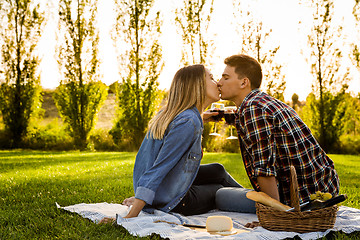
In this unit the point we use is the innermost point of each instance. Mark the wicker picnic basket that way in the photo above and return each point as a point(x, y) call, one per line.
point(301, 222)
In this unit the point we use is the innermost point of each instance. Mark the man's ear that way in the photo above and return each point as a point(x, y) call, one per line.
point(245, 82)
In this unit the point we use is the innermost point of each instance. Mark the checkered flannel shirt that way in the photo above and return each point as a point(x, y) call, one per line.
point(272, 138)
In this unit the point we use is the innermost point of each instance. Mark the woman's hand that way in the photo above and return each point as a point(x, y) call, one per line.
point(129, 201)
point(207, 116)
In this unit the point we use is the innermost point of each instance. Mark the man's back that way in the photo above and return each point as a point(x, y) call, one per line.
point(272, 138)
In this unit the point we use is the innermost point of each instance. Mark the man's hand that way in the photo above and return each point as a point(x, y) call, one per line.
point(129, 201)
point(207, 116)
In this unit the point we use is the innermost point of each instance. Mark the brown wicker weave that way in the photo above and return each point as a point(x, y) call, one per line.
point(301, 222)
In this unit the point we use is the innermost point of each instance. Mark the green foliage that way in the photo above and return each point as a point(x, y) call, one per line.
point(49, 137)
point(329, 87)
point(351, 120)
point(295, 100)
point(335, 105)
point(138, 90)
point(81, 93)
point(31, 182)
point(113, 88)
point(102, 140)
point(355, 55)
point(19, 90)
point(193, 20)
point(78, 106)
point(350, 144)
point(255, 41)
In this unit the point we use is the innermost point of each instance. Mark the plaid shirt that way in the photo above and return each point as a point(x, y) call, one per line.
point(272, 138)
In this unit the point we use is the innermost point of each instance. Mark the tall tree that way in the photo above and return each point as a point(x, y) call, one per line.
point(193, 20)
point(20, 88)
point(254, 41)
point(80, 93)
point(355, 46)
point(330, 79)
point(137, 29)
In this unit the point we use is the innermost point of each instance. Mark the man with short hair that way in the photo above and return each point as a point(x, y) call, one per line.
point(272, 137)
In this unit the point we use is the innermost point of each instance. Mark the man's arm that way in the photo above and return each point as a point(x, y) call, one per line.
point(268, 185)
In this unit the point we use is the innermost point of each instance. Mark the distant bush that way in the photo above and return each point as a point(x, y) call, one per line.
point(102, 140)
point(349, 144)
point(5, 139)
point(49, 137)
point(53, 136)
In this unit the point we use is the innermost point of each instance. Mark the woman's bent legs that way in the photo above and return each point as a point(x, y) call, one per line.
point(215, 173)
point(234, 200)
point(199, 199)
point(201, 196)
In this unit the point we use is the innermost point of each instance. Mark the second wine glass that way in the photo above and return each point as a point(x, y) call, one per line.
point(230, 119)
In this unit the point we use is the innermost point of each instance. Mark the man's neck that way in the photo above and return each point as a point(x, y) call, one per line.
point(241, 97)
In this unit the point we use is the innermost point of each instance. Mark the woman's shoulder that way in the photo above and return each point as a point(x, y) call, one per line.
point(192, 113)
point(189, 115)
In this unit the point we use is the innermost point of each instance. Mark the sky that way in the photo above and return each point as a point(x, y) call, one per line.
point(282, 16)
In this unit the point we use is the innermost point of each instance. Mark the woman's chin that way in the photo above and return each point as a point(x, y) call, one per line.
point(216, 99)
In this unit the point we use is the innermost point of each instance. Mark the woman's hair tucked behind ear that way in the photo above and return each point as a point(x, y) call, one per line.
point(187, 90)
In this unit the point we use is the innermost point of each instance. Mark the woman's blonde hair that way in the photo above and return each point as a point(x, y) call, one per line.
point(187, 90)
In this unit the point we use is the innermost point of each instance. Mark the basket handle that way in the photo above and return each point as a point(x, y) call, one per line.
point(294, 190)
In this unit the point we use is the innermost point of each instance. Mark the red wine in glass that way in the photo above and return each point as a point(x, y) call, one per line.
point(230, 118)
point(219, 116)
point(217, 107)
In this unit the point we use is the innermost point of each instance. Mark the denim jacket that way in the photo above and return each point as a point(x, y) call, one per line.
point(165, 169)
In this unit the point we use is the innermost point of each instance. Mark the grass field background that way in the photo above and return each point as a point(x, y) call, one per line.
point(31, 182)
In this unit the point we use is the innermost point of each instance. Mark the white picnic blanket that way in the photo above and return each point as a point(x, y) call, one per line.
point(348, 221)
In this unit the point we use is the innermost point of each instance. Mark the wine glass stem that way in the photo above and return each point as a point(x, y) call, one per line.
point(214, 127)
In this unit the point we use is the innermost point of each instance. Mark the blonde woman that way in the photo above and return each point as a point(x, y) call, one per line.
point(167, 172)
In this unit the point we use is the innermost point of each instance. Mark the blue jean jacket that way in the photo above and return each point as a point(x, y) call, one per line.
point(165, 169)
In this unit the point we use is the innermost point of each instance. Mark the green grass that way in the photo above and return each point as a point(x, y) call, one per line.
point(31, 182)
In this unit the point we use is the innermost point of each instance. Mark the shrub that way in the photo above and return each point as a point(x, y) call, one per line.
point(102, 140)
point(349, 144)
point(49, 137)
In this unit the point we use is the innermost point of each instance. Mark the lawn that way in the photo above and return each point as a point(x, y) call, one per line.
point(31, 182)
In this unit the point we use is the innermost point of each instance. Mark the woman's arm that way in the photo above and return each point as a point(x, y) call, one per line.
point(175, 144)
point(137, 206)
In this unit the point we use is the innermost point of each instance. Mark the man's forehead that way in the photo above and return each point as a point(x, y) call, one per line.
point(228, 71)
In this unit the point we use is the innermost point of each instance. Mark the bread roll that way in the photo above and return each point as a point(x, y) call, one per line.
point(265, 199)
